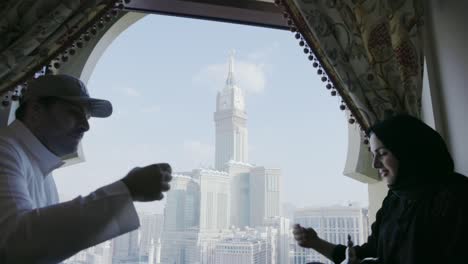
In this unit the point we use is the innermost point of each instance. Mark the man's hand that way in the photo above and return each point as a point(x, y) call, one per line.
point(148, 183)
point(305, 237)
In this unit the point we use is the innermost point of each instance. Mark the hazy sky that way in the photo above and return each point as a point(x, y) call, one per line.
point(162, 75)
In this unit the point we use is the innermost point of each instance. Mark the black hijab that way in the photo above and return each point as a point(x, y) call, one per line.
point(424, 160)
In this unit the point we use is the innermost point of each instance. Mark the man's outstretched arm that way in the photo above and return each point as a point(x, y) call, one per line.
point(54, 233)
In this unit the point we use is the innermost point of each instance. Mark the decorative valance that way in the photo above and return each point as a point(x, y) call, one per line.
point(369, 52)
point(39, 35)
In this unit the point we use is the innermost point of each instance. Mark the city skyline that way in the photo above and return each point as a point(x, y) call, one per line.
point(231, 213)
point(206, 204)
point(273, 241)
point(151, 124)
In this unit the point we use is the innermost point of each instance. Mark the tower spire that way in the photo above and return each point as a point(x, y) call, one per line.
point(231, 122)
point(230, 81)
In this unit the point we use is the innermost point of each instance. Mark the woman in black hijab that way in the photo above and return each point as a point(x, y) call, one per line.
point(424, 218)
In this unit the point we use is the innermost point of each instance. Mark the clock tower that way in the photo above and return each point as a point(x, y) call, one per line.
point(230, 122)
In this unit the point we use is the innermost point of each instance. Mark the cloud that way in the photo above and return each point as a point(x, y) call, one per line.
point(264, 53)
point(199, 153)
point(250, 76)
point(151, 109)
point(131, 92)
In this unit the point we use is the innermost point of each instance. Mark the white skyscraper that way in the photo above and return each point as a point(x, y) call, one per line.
point(154, 256)
point(125, 247)
point(215, 195)
point(204, 204)
point(264, 194)
point(282, 226)
point(197, 209)
point(182, 204)
point(231, 123)
point(181, 221)
point(240, 193)
point(150, 230)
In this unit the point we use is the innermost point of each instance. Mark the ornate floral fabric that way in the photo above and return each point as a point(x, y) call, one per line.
point(371, 49)
point(33, 31)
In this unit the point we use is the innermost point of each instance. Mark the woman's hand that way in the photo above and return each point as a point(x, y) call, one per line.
point(305, 237)
point(308, 238)
point(351, 257)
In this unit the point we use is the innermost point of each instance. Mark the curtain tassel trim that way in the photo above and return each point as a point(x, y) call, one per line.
point(316, 64)
point(77, 39)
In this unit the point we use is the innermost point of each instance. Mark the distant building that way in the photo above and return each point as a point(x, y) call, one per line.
point(231, 123)
point(103, 253)
point(241, 251)
point(254, 189)
point(283, 238)
point(181, 221)
point(215, 194)
point(150, 230)
point(332, 224)
point(240, 192)
point(125, 248)
point(300, 255)
point(264, 194)
point(205, 204)
point(99, 254)
point(287, 210)
point(154, 256)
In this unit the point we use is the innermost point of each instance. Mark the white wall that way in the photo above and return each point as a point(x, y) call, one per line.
point(377, 192)
point(447, 61)
point(359, 167)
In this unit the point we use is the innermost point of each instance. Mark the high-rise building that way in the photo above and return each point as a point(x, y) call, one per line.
point(264, 194)
point(204, 204)
point(154, 256)
point(215, 192)
point(182, 204)
point(332, 224)
point(240, 193)
point(231, 123)
point(215, 195)
point(181, 221)
point(150, 230)
point(282, 240)
point(125, 247)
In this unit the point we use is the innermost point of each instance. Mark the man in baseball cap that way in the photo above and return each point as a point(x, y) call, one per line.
point(68, 88)
point(35, 228)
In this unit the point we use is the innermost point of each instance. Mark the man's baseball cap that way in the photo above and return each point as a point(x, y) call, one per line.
point(68, 88)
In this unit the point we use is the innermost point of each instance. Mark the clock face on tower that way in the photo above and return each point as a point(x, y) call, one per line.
point(239, 103)
point(225, 104)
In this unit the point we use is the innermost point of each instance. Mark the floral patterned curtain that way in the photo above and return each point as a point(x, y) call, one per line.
point(34, 32)
point(372, 51)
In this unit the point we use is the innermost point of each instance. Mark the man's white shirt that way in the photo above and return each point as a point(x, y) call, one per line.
point(34, 227)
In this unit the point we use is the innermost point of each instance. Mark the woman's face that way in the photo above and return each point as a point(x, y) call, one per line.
point(383, 160)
